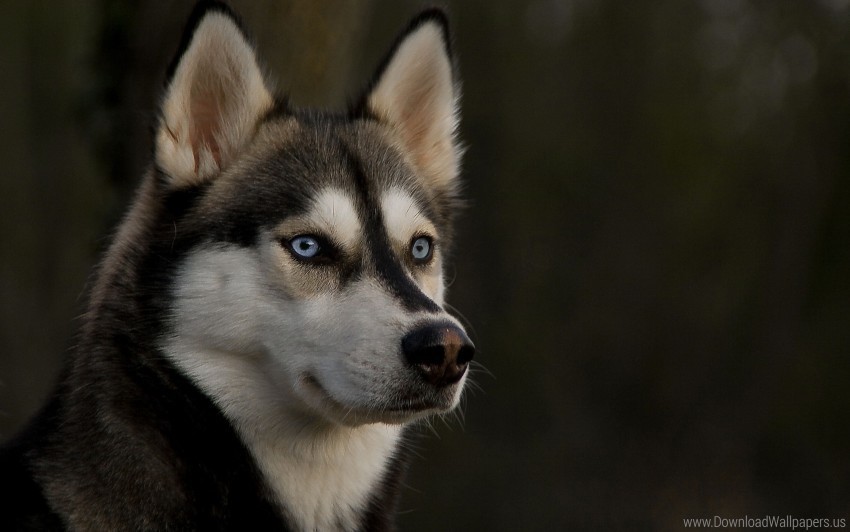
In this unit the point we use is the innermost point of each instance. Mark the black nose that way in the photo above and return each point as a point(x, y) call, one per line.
point(440, 351)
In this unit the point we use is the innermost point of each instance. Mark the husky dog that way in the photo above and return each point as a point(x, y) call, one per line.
point(269, 318)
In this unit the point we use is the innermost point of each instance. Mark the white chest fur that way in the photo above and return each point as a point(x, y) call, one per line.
point(321, 473)
point(325, 484)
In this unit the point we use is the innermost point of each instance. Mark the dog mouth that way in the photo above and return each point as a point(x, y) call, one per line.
point(396, 411)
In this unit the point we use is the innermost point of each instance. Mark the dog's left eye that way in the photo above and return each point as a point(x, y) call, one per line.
point(421, 249)
point(305, 246)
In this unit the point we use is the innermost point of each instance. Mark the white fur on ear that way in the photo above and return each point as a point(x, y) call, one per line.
point(212, 104)
point(416, 95)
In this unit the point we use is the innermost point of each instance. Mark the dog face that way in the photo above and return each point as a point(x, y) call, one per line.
point(315, 272)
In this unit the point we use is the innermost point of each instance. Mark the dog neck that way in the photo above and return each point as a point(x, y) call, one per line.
point(322, 474)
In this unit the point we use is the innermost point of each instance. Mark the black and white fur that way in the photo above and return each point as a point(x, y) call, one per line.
point(269, 317)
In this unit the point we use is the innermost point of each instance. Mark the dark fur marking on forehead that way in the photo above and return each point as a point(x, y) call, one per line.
point(387, 265)
point(386, 165)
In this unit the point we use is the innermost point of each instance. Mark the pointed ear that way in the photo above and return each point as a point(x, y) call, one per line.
point(417, 95)
point(213, 102)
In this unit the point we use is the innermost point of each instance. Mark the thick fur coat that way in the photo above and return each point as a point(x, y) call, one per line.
point(269, 318)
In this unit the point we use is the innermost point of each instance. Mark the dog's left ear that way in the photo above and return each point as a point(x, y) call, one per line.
point(213, 102)
point(416, 93)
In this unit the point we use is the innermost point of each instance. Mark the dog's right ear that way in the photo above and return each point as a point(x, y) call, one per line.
point(213, 101)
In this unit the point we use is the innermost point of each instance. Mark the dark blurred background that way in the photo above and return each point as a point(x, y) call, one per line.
point(655, 260)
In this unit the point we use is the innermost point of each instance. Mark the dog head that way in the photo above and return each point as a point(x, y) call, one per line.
point(315, 242)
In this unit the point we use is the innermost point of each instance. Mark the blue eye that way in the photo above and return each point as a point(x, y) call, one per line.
point(421, 248)
point(305, 246)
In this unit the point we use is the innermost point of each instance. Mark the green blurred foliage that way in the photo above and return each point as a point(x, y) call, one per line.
point(654, 261)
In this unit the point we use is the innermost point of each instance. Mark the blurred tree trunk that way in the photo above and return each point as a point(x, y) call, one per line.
point(51, 193)
point(312, 46)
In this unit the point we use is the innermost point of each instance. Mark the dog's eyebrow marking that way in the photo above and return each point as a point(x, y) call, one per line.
point(402, 216)
point(333, 212)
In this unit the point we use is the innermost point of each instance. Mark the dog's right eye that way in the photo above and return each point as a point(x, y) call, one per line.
point(305, 246)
